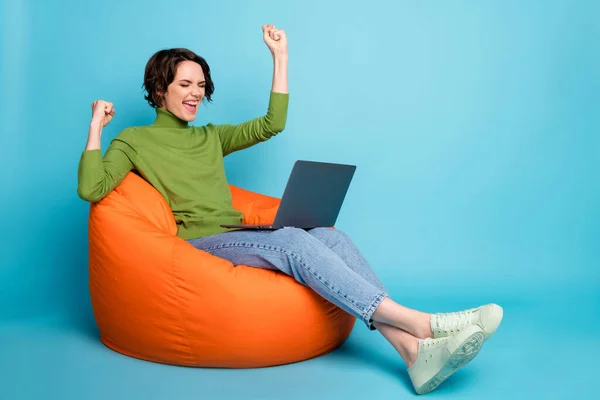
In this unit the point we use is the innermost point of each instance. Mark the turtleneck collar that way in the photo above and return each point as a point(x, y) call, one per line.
point(166, 119)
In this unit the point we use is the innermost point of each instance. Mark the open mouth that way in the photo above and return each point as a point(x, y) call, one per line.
point(191, 105)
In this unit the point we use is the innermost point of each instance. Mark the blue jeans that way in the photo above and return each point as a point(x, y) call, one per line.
point(323, 259)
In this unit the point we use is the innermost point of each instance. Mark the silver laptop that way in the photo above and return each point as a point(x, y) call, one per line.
point(312, 198)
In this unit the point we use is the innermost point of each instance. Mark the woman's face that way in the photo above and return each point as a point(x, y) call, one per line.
point(186, 92)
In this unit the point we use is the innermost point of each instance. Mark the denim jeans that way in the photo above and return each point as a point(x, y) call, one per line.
point(323, 259)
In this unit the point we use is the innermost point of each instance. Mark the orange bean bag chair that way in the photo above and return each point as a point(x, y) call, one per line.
point(156, 297)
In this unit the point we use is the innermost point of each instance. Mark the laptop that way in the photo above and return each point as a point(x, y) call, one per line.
point(312, 198)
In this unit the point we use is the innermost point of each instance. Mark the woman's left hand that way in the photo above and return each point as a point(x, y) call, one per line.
point(275, 39)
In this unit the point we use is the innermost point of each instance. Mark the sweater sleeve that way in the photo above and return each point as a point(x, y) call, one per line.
point(98, 176)
point(238, 137)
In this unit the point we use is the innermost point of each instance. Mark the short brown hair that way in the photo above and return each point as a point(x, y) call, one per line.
point(161, 69)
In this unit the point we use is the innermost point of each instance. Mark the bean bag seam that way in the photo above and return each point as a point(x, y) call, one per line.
point(176, 285)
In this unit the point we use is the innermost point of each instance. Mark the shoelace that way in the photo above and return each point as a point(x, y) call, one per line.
point(453, 321)
point(428, 342)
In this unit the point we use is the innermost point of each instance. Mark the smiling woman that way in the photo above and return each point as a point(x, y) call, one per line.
point(191, 177)
point(185, 164)
point(178, 80)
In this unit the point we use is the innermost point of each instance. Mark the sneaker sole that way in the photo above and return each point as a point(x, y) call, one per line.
point(464, 353)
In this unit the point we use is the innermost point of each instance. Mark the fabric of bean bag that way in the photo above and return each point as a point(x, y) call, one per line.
point(155, 297)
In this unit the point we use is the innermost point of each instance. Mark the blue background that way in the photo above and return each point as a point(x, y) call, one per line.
point(474, 126)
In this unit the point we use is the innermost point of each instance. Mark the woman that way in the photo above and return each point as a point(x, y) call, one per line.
point(185, 164)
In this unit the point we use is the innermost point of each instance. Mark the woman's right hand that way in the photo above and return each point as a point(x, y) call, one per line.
point(102, 112)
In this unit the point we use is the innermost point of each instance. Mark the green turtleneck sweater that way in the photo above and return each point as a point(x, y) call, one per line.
point(183, 162)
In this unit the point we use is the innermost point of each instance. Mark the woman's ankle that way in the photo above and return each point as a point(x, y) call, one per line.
point(417, 323)
point(405, 344)
point(412, 351)
point(425, 325)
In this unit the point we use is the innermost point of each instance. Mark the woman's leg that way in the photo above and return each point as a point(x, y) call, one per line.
point(285, 250)
point(306, 258)
point(302, 256)
point(405, 344)
point(419, 324)
point(389, 312)
point(310, 262)
point(342, 245)
point(429, 361)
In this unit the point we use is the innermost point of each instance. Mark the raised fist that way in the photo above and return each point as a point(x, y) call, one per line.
point(102, 112)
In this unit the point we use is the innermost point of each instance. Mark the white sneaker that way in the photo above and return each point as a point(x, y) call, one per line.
point(487, 317)
point(437, 359)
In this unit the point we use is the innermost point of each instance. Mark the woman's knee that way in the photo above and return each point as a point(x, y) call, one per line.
point(297, 239)
point(330, 234)
point(292, 235)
